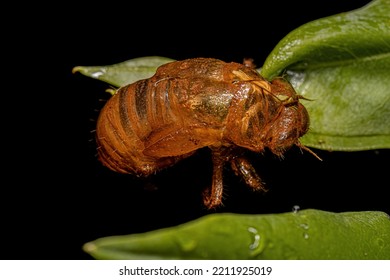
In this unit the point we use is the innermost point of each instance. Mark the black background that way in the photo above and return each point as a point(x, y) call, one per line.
point(56, 196)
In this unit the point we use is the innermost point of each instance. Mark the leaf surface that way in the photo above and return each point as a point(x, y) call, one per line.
point(306, 234)
point(126, 72)
point(342, 64)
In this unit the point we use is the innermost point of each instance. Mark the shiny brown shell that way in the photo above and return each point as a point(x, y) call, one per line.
point(194, 103)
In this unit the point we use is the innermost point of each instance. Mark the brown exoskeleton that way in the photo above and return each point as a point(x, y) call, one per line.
point(194, 103)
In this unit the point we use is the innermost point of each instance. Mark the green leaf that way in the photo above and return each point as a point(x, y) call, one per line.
point(126, 72)
point(306, 234)
point(342, 64)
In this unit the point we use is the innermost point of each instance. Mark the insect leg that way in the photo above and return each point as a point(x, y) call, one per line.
point(212, 197)
point(242, 167)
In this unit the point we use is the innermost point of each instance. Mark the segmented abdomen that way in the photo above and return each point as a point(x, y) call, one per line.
point(126, 121)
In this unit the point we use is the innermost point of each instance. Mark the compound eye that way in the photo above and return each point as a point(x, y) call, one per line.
point(305, 120)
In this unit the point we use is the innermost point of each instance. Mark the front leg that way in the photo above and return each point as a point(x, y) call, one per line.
point(242, 167)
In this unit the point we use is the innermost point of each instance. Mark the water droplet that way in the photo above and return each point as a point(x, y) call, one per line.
point(257, 245)
point(304, 226)
point(97, 74)
point(256, 240)
point(295, 209)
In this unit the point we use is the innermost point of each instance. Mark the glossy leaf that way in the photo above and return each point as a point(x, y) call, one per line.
point(342, 64)
point(306, 234)
point(126, 72)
